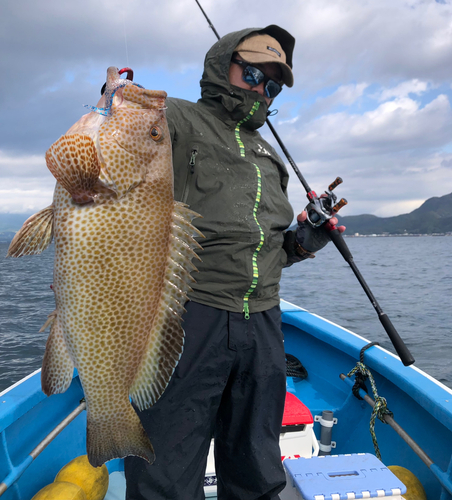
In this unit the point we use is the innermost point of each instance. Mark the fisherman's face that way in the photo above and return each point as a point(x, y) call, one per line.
point(271, 70)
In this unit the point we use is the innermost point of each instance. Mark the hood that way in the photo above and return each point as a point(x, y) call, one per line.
point(230, 103)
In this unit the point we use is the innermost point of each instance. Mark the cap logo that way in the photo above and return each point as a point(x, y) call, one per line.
point(274, 50)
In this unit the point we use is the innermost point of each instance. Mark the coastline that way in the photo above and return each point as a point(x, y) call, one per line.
point(387, 235)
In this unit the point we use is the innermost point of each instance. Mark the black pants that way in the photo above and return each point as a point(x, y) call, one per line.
point(229, 384)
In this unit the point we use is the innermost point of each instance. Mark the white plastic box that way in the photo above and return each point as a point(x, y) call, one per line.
point(297, 435)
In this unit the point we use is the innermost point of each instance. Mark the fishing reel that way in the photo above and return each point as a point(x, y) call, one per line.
point(321, 209)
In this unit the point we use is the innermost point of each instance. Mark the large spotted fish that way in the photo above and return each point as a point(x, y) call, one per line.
point(123, 250)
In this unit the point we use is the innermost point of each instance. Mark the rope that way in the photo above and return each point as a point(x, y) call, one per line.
point(380, 409)
point(294, 368)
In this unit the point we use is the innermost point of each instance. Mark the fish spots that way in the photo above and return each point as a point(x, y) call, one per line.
point(121, 266)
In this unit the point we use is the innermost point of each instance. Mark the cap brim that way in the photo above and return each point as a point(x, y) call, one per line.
point(259, 58)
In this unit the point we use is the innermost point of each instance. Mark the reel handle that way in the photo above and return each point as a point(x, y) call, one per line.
point(335, 183)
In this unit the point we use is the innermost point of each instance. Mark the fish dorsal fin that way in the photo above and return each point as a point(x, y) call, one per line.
point(166, 339)
point(35, 235)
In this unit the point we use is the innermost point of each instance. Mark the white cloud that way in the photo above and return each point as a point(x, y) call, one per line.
point(31, 196)
point(403, 89)
point(26, 183)
point(375, 41)
point(22, 165)
point(397, 49)
point(345, 95)
point(385, 185)
point(393, 126)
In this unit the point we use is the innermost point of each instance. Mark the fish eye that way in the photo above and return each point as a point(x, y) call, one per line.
point(156, 133)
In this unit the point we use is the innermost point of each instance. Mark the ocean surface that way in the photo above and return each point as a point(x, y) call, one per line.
point(411, 278)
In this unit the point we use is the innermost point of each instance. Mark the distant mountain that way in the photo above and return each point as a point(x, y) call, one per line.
point(433, 216)
point(6, 237)
point(10, 224)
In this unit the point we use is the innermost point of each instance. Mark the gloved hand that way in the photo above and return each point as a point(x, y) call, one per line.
point(302, 242)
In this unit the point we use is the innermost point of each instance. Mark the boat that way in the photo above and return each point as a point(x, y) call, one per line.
point(40, 434)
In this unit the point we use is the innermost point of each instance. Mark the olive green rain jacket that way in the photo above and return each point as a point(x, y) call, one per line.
point(225, 171)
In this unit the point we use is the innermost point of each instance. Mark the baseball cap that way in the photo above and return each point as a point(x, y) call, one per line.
point(263, 48)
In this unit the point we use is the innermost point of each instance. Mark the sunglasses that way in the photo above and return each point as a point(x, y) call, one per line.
point(254, 76)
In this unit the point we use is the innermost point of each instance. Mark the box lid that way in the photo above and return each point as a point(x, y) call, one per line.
point(295, 412)
point(334, 477)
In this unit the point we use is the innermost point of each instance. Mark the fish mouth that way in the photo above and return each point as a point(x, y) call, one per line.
point(113, 83)
point(129, 76)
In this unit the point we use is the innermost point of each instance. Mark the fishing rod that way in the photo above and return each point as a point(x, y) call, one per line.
point(321, 209)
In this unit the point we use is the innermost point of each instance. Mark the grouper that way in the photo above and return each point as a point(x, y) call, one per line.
point(123, 258)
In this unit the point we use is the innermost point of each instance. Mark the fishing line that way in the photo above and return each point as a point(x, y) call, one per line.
point(125, 36)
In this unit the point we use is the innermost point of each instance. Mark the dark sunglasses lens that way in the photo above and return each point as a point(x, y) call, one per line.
point(253, 76)
point(272, 89)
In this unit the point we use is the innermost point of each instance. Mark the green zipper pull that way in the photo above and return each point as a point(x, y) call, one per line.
point(246, 309)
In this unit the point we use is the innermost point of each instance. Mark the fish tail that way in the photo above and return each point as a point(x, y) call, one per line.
point(118, 437)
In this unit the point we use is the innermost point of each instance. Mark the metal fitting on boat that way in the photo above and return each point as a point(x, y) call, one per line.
point(326, 421)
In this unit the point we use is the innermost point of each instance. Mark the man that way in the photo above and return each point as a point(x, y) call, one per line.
point(230, 381)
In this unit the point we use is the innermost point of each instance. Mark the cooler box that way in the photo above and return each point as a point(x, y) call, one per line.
point(297, 434)
point(341, 477)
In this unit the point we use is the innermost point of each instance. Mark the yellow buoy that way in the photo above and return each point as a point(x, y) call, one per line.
point(414, 488)
point(93, 480)
point(57, 491)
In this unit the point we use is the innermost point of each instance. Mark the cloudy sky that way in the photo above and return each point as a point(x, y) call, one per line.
point(371, 101)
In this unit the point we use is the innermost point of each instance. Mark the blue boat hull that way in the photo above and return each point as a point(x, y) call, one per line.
point(421, 405)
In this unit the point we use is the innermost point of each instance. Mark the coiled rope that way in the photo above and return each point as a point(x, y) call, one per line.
point(380, 409)
point(294, 368)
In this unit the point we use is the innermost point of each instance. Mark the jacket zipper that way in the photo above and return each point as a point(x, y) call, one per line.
point(192, 161)
point(191, 171)
point(246, 307)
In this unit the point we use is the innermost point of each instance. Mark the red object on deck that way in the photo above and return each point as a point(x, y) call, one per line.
point(295, 412)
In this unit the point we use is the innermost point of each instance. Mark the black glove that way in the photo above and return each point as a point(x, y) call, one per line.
point(312, 239)
point(301, 241)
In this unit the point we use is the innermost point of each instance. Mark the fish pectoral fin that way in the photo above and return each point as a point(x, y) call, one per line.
point(57, 365)
point(74, 163)
point(113, 436)
point(105, 184)
point(49, 322)
point(35, 235)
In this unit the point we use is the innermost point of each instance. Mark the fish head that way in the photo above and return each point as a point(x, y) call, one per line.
point(134, 140)
point(123, 142)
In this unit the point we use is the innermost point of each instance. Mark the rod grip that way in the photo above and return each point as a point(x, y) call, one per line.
point(401, 349)
point(338, 240)
point(397, 342)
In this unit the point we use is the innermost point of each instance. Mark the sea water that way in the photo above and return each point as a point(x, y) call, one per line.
point(411, 278)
